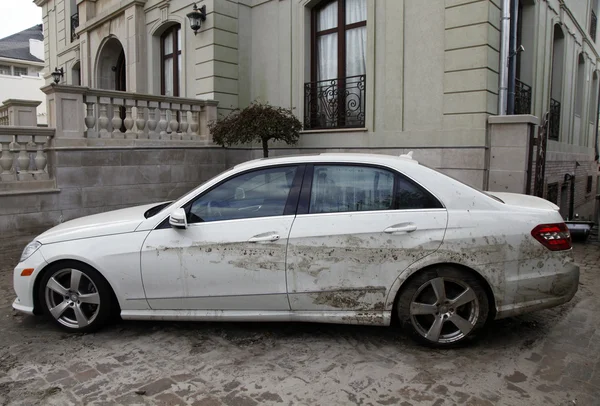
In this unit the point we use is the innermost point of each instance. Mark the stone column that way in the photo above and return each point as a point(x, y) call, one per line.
point(21, 113)
point(66, 111)
point(510, 140)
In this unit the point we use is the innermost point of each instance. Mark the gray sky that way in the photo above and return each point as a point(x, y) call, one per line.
point(15, 18)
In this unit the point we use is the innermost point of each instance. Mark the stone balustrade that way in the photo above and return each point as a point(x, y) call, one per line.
point(24, 158)
point(81, 112)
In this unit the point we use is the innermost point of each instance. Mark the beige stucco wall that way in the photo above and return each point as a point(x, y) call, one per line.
point(432, 67)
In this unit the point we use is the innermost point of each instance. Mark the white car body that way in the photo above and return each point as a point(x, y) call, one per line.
point(325, 267)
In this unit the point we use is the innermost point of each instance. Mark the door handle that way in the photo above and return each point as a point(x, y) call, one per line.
point(266, 237)
point(401, 228)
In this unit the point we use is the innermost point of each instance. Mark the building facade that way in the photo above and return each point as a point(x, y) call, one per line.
point(21, 68)
point(384, 76)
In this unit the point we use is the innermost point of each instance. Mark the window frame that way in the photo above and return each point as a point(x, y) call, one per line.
point(173, 29)
point(306, 192)
point(290, 205)
point(14, 71)
point(340, 29)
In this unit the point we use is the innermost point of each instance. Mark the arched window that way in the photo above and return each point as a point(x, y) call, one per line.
point(593, 114)
point(558, 51)
point(578, 127)
point(170, 61)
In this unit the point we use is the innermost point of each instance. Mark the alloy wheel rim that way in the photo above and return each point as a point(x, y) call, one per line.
point(444, 310)
point(72, 298)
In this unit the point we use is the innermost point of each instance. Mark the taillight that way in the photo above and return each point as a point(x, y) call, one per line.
point(555, 237)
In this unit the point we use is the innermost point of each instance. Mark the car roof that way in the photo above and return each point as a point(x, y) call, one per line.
point(388, 160)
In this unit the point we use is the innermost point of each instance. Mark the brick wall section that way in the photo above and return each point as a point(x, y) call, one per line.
point(94, 181)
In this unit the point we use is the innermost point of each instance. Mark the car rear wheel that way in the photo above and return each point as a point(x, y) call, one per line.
point(443, 306)
point(75, 297)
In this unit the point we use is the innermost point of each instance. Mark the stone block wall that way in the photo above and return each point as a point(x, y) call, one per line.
point(91, 181)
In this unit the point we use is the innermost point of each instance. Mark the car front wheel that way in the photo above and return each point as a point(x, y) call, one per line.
point(443, 306)
point(75, 296)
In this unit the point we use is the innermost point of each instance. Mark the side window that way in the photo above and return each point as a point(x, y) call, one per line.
point(261, 193)
point(412, 196)
point(342, 188)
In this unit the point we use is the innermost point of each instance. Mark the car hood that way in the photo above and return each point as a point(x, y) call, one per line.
point(97, 225)
point(530, 202)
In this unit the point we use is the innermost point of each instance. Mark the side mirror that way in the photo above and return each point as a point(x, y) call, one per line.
point(178, 219)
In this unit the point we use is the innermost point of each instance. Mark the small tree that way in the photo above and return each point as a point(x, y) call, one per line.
point(257, 122)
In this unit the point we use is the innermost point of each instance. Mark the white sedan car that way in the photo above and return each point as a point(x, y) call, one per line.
point(335, 238)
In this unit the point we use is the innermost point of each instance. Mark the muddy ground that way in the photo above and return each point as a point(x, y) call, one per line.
point(550, 357)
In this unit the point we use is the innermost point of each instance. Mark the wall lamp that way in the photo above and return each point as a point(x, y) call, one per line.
point(196, 17)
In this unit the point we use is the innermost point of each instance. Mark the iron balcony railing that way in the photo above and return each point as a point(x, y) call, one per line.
point(74, 25)
point(554, 120)
point(593, 26)
point(335, 103)
point(522, 98)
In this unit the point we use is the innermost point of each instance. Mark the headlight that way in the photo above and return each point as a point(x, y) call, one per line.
point(32, 247)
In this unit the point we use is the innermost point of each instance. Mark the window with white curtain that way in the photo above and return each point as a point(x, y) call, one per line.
point(336, 97)
point(340, 39)
point(170, 46)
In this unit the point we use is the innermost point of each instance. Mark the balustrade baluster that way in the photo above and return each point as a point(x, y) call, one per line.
point(183, 126)
point(23, 159)
point(129, 122)
point(162, 124)
point(117, 121)
point(40, 159)
point(6, 159)
point(90, 117)
point(140, 122)
point(152, 123)
point(103, 117)
point(194, 122)
point(174, 122)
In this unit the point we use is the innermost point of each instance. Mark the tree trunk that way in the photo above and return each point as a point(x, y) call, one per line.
point(265, 146)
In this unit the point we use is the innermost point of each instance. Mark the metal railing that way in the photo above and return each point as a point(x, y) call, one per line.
point(522, 98)
point(335, 103)
point(593, 26)
point(554, 120)
point(74, 25)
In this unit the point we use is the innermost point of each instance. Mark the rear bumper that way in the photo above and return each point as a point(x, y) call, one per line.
point(542, 292)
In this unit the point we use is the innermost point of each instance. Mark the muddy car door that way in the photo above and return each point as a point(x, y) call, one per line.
point(357, 228)
point(231, 256)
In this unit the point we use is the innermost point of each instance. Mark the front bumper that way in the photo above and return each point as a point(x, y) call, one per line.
point(542, 291)
point(24, 285)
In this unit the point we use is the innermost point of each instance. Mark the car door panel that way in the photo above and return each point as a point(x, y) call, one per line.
point(206, 267)
point(348, 261)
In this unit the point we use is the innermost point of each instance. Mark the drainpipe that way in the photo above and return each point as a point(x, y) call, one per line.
point(512, 58)
point(504, 45)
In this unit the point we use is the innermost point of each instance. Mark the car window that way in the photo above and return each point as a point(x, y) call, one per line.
point(260, 193)
point(343, 188)
point(412, 196)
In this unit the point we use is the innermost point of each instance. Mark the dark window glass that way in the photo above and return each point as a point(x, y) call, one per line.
point(412, 196)
point(261, 193)
point(340, 188)
point(552, 193)
point(589, 185)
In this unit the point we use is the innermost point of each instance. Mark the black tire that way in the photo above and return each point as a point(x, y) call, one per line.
point(422, 314)
point(76, 308)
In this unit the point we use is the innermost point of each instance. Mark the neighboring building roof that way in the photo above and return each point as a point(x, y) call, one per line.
point(16, 46)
